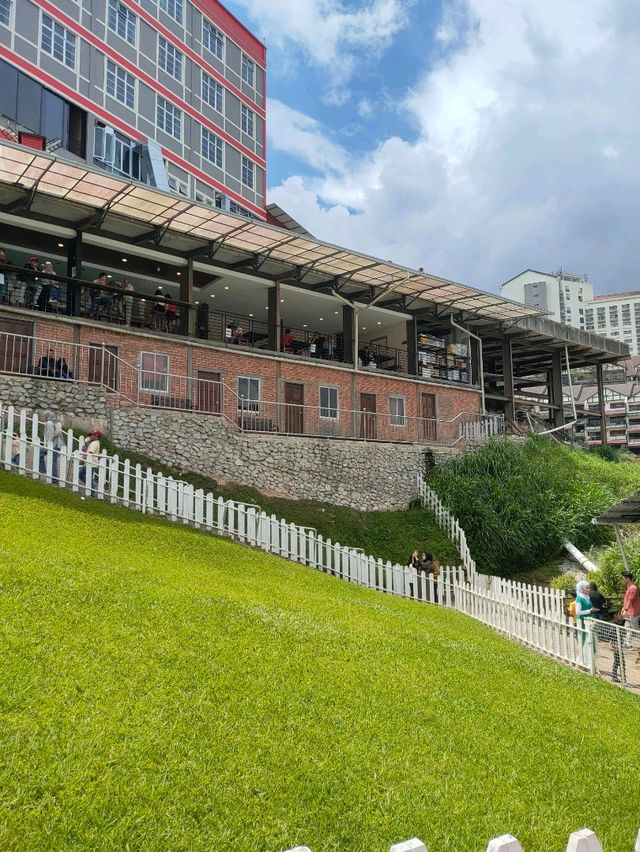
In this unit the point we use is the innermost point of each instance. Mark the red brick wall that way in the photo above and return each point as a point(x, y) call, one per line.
point(273, 372)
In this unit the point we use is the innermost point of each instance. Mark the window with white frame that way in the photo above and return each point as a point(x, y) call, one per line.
point(169, 118)
point(329, 402)
point(247, 120)
point(248, 394)
point(248, 70)
point(122, 21)
point(173, 8)
point(247, 172)
point(169, 59)
point(58, 42)
point(5, 12)
point(396, 411)
point(212, 39)
point(212, 148)
point(212, 92)
point(154, 372)
point(121, 85)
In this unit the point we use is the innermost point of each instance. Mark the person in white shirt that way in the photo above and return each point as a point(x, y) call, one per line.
point(90, 453)
point(52, 443)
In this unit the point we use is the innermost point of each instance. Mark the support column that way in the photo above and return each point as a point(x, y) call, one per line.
point(412, 347)
point(556, 388)
point(74, 270)
point(350, 356)
point(274, 320)
point(602, 404)
point(507, 372)
point(186, 295)
point(475, 360)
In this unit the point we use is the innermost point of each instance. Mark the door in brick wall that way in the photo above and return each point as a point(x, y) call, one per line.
point(293, 408)
point(16, 346)
point(428, 426)
point(368, 428)
point(103, 365)
point(208, 397)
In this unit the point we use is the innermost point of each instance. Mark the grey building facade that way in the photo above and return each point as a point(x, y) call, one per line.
point(170, 92)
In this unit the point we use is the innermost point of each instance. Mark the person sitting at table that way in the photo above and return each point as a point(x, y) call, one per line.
point(62, 370)
point(46, 365)
point(159, 310)
point(286, 341)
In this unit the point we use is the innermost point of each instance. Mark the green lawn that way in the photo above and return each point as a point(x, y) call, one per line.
point(385, 535)
point(165, 690)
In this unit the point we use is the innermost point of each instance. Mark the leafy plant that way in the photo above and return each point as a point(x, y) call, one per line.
point(565, 582)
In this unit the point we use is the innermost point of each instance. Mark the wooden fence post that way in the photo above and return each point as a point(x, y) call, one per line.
point(505, 843)
point(584, 840)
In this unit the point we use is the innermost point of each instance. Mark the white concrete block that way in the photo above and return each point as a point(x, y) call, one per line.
point(300, 849)
point(584, 840)
point(413, 845)
point(637, 846)
point(505, 843)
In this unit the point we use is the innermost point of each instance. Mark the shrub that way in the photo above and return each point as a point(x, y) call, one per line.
point(610, 568)
point(518, 502)
point(565, 582)
point(607, 453)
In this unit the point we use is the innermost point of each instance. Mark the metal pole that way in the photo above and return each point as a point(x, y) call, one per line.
point(573, 402)
point(621, 546)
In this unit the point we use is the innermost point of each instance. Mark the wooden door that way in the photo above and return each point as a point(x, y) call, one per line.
point(103, 366)
point(368, 425)
point(16, 346)
point(293, 408)
point(428, 425)
point(208, 397)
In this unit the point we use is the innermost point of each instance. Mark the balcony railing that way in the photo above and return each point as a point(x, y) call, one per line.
point(151, 386)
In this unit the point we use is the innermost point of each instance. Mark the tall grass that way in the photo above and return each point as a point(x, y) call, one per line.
point(517, 502)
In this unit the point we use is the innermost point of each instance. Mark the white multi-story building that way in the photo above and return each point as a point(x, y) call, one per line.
point(570, 299)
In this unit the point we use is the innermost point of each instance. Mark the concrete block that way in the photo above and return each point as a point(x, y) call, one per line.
point(413, 845)
point(300, 849)
point(584, 840)
point(505, 843)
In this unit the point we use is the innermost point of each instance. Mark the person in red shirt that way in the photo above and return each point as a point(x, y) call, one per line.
point(286, 341)
point(630, 604)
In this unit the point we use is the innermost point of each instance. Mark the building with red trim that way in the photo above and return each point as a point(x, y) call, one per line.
point(170, 93)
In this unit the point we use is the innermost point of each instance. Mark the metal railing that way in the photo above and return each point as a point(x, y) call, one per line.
point(149, 384)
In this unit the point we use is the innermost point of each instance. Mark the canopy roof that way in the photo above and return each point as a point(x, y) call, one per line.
point(627, 511)
point(77, 194)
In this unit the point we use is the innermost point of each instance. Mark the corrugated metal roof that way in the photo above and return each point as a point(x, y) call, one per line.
point(627, 511)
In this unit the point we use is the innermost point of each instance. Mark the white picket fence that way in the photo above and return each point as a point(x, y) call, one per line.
point(539, 600)
point(583, 840)
point(513, 609)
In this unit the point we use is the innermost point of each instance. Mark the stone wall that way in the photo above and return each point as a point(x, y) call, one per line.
point(80, 406)
point(346, 473)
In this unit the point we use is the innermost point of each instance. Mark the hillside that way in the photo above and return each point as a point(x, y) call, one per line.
point(163, 689)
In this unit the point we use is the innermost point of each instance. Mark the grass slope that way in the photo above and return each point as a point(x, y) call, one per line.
point(163, 689)
point(386, 535)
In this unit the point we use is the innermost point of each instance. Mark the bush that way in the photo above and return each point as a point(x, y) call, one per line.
point(517, 503)
point(565, 582)
point(610, 454)
point(610, 568)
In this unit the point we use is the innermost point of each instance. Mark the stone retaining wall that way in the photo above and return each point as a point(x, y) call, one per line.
point(80, 406)
point(346, 473)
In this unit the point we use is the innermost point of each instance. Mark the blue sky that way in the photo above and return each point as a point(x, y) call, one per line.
point(472, 137)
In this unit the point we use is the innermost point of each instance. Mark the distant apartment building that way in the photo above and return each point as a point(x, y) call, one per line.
point(570, 299)
point(166, 92)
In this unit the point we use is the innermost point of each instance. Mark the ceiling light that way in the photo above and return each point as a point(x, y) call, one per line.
point(266, 307)
point(124, 259)
point(197, 303)
point(250, 315)
point(143, 300)
point(281, 300)
point(213, 295)
point(60, 245)
point(109, 276)
point(178, 273)
point(226, 286)
point(364, 328)
point(379, 322)
point(305, 325)
point(321, 318)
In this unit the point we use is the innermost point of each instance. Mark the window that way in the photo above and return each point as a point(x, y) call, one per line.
point(122, 21)
point(247, 172)
point(169, 59)
point(212, 92)
point(247, 120)
point(212, 148)
point(248, 70)
point(173, 8)
point(212, 39)
point(248, 394)
point(154, 372)
point(396, 411)
point(58, 42)
point(169, 118)
point(120, 84)
point(116, 153)
point(5, 12)
point(329, 402)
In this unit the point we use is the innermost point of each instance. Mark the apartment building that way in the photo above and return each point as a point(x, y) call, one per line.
point(166, 92)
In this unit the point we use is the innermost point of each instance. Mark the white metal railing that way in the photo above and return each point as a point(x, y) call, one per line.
point(146, 384)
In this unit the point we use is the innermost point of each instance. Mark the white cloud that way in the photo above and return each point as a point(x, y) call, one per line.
point(330, 35)
point(525, 153)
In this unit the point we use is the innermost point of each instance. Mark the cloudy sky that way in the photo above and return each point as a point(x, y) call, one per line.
point(475, 138)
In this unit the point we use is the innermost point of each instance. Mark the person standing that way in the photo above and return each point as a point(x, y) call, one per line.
point(598, 602)
point(52, 444)
point(583, 608)
point(90, 453)
point(630, 605)
point(127, 300)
